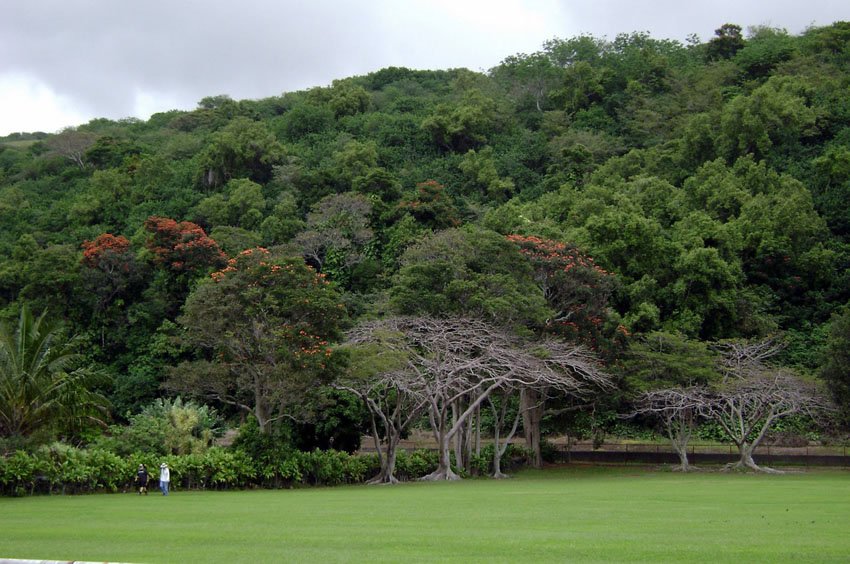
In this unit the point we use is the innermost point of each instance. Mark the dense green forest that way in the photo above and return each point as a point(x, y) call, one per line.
point(646, 199)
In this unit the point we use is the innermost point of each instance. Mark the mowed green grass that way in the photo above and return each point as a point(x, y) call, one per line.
point(556, 515)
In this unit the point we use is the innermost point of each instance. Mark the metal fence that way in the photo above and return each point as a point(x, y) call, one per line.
point(658, 453)
point(704, 454)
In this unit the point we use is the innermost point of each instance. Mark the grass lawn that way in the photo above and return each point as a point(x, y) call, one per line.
point(562, 514)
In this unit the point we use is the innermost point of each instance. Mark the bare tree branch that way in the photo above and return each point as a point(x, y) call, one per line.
point(739, 359)
point(755, 395)
point(465, 360)
point(678, 410)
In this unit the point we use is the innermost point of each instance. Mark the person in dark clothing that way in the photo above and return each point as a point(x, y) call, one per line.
point(142, 479)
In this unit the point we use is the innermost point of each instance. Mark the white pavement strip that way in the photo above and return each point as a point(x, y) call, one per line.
point(16, 561)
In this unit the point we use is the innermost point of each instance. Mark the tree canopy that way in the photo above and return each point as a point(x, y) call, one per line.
point(642, 197)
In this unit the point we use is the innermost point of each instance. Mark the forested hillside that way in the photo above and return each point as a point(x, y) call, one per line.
point(644, 199)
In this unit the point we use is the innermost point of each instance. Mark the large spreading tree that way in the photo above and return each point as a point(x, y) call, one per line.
point(453, 365)
point(755, 395)
point(382, 375)
point(678, 410)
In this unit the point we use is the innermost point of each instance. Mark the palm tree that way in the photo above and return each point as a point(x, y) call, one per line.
point(45, 386)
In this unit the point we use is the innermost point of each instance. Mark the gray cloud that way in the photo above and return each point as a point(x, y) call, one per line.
point(103, 53)
point(678, 19)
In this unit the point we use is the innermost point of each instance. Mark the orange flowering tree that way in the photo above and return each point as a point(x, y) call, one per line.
point(264, 327)
point(574, 286)
point(107, 253)
point(182, 252)
point(181, 246)
point(111, 278)
point(578, 290)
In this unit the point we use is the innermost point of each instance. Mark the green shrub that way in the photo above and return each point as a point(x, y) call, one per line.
point(165, 427)
point(710, 431)
point(228, 468)
point(68, 469)
point(414, 465)
point(794, 430)
point(270, 453)
point(481, 464)
point(19, 472)
point(289, 470)
point(188, 471)
point(60, 468)
point(361, 468)
point(323, 467)
point(110, 470)
point(515, 457)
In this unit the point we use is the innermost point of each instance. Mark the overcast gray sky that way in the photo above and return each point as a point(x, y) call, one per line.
point(64, 62)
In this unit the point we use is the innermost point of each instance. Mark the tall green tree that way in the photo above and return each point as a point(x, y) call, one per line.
point(727, 41)
point(472, 272)
point(775, 115)
point(465, 125)
point(835, 369)
point(528, 79)
point(243, 149)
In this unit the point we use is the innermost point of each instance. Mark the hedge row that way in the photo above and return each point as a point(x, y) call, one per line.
point(68, 470)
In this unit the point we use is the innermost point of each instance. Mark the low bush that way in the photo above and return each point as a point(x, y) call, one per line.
point(64, 469)
point(414, 465)
point(515, 457)
point(795, 430)
point(19, 473)
point(165, 427)
point(60, 468)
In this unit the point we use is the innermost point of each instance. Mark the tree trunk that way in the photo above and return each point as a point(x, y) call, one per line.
point(468, 440)
point(387, 473)
point(478, 430)
point(458, 437)
point(679, 430)
point(745, 461)
point(532, 413)
point(444, 431)
point(684, 465)
point(376, 437)
point(444, 467)
point(385, 457)
point(261, 416)
point(497, 455)
point(500, 447)
point(746, 448)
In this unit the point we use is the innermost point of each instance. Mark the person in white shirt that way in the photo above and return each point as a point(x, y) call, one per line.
point(164, 478)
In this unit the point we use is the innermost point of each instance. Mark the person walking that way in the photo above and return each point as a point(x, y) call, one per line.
point(142, 479)
point(164, 478)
